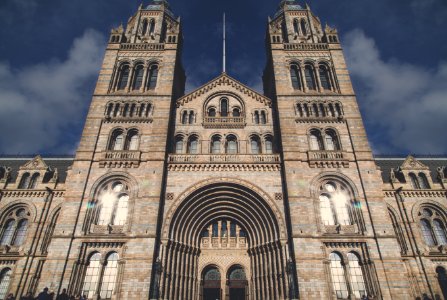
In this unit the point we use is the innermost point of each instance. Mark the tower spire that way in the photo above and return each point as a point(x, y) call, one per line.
point(224, 62)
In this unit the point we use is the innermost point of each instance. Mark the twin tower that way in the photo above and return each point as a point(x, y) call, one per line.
point(225, 193)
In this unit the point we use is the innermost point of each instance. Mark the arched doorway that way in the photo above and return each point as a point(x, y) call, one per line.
point(228, 221)
point(237, 283)
point(211, 281)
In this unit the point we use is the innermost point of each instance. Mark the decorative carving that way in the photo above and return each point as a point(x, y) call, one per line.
point(36, 163)
point(169, 196)
point(327, 159)
point(278, 197)
point(120, 159)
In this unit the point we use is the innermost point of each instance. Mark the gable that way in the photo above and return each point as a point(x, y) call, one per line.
point(37, 163)
point(230, 85)
point(412, 163)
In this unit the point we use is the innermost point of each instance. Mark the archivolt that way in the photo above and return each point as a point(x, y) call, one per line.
point(225, 198)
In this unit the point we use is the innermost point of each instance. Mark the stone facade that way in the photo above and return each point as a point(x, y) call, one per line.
point(224, 193)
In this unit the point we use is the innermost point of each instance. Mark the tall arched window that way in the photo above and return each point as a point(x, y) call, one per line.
point(442, 280)
point(117, 140)
point(123, 77)
point(423, 181)
point(414, 181)
point(303, 27)
point(185, 117)
point(335, 204)
point(215, 144)
point(310, 77)
point(109, 278)
point(5, 280)
point(91, 279)
point(191, 117)
point(331, 140)
point(144, 27)
point(34, 181)
point(263, 118)
point(295, 76)
point(338, 276)
point(179, 145)
point(8, 232)
point(324, 77)
point(20, 232)
point(268, 145)
point(231, 147)
point(132, 140)
point(24, 182)
point(440, 232)
point(427, 232)
point(152, 27)
point(255, 143)
point(357, 280)
point(316, 141)
point(256, 116)
point(138, 77)
point(15, 228)
point(433, 227)
point(153, 77)
point(224, 107)
point(113, 204)
point(193, 145)
point(295, 26)
point(49, 232)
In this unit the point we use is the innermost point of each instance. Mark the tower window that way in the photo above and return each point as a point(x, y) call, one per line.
point(193, 144)
point(215, 144)
point(24, 182)
point(268, 145)
point(179, 145)
point(263, 119)
point(153, 77)
point(310, 77)
point(123, 77)
point(138, 77)
point(338, 276)
point(211, 112)
point(295, 77)
point(15, 228)
point(236, 112)
point(433, 227)
point(296, 26)
point(144, 28)
point(5, 280)
point(303, 27)
point(316, 141)
point(224, 107)
point(255, 145)
point(324, 77)
point(152, 27)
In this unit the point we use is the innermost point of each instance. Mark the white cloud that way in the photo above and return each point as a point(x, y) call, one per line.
point(42, 103)
point(408, 102)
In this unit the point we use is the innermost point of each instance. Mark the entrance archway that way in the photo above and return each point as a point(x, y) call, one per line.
point(237, 283)
point(211, 281)
point(188, 233)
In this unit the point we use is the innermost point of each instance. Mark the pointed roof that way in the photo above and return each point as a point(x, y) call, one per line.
point(37, 163)
point(412, 163)
point(224, 80)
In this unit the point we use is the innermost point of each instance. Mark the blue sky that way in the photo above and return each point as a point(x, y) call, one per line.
point(51, 52)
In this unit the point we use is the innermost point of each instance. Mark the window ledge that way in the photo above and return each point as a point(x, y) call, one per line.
point(107, 229)
point(122, 158)
point(324, 159)
point(340, 229)
point(224, 122)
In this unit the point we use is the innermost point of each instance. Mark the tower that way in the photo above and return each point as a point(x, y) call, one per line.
point(332, 185)
point(109, 221)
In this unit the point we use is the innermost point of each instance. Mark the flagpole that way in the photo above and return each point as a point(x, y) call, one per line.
point(224, 47)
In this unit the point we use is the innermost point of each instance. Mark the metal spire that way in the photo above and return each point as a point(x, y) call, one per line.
point(224, 47)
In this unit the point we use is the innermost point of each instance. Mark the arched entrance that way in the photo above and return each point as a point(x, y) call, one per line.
point(211, 281)
point(237, 283)
point(230, 224)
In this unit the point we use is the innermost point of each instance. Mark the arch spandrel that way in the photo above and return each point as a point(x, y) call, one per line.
point(237, 182)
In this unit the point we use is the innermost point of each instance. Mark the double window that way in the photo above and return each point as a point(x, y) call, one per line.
point(100, 277)
point(347, 276)
point(28, 181)
point(419, 181)
point(433, 227)
point(122, 140)
point(324, 140)
point(15, 228)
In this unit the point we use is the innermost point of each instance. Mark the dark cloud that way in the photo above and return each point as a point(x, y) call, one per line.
point(43, 105)
point(404, 105)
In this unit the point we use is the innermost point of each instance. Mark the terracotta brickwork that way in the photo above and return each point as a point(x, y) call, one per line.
point(224, 192)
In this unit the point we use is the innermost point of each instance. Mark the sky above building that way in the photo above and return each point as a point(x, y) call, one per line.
point(51, 52)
